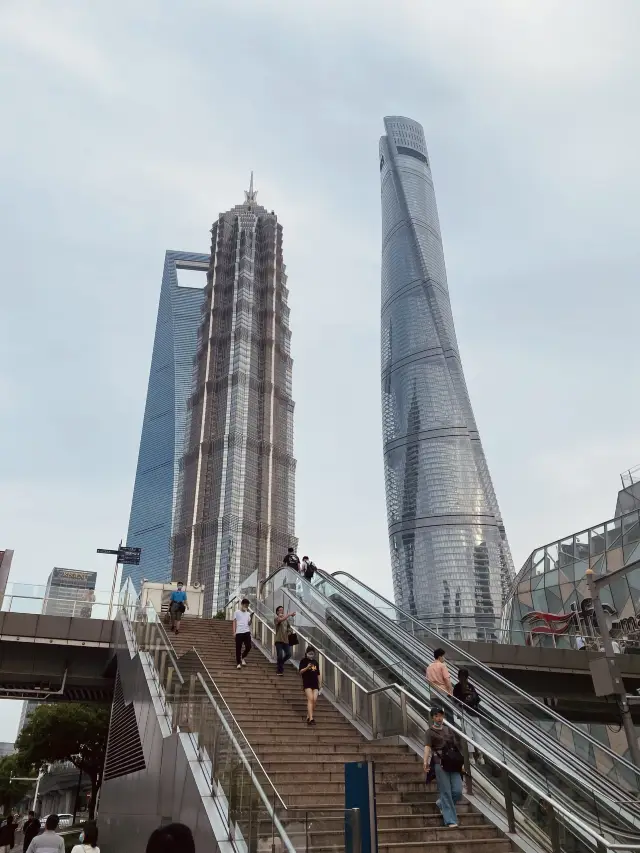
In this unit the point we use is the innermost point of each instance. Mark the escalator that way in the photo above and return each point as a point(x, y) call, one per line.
point(506, 702)
point(365, 639)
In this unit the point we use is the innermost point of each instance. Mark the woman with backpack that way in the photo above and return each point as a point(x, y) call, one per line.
point(441, 754)
point(467, 697)
point(466, 693)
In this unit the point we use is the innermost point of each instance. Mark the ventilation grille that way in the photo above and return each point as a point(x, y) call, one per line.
point(124, 749)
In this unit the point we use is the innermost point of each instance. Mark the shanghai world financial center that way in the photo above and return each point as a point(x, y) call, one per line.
point(214, 491)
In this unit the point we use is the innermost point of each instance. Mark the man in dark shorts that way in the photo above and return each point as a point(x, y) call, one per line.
point(177, 606)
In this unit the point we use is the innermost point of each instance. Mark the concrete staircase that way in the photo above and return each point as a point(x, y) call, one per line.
point(306, 764)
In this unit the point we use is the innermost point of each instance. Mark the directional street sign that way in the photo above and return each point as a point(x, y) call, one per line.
point(125, 555)
point(129, 556)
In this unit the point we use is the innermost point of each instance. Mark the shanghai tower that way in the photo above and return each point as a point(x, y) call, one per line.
point(237, 475)
point(450, 557)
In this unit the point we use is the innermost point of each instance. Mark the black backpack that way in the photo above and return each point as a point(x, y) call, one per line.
point(451, 758)
point(310, 570)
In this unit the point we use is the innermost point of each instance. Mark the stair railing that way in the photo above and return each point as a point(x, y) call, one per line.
point(253, 807)
point(524, 802)
point(237, 780)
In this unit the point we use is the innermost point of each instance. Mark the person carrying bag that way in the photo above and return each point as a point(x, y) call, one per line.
point(285, 638)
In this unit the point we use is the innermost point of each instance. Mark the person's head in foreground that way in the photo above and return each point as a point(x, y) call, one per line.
point(437, 717)
point(52, 822)
point(173, 838)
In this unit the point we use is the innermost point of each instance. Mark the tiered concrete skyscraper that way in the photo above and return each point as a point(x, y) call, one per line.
point(237, 491)
point(450, 556)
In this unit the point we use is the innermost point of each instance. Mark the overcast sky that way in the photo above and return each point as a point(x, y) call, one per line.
point(127, 127)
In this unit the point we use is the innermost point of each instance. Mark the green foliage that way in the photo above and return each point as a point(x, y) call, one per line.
point(221, 614)
point(12, 792)
point(67, 732)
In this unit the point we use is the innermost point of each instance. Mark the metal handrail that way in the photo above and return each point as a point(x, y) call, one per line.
point(509, 731)
point(247, 764)
point(526, 783)
point(231, 714)
point(169, 649)
point(246, 739)
point(493, 674)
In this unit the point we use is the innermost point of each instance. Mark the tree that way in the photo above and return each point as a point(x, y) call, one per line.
point(12, 792)
point(67, 732)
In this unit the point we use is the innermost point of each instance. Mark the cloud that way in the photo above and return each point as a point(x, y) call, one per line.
point(130, 126)
point(50, 36)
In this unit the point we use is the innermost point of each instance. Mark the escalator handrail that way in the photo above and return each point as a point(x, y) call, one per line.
point(557, 753)
point(572, 771)
point(555, 744)
point(492, 673)
point(562, 755)
point(524, 781)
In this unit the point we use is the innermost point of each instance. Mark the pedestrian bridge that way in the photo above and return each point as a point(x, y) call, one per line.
point(63, 650)
point(56, 649)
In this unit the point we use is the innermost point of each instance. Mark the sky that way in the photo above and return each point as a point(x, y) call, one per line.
point(128, 126)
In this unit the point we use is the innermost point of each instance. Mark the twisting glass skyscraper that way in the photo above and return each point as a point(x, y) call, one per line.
point(450, 557)
point(237, 489)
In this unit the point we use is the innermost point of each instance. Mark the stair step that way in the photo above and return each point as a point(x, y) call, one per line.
point(438, 833)
point(489, 845)
point(306, 763)
point(400, 821)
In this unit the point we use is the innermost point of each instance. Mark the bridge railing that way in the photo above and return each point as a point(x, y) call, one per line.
point(37, 599)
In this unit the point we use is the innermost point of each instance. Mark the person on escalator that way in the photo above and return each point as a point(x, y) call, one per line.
point(308, 569)
point(466, 693)
point(438, 674)
point(310, 671)
point(291, 560)
point(467, 696)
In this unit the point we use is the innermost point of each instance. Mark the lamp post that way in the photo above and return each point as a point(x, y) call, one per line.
point(609, 680)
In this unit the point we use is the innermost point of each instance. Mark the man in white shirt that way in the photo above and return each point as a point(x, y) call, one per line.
point(49, 841)
point(242, 632)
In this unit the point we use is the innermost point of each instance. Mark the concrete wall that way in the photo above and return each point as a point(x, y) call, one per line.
point(172, 786)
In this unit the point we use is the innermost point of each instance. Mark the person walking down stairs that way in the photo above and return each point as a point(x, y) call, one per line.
point(242, 632)
point(283, 637)
point(441, 754)
point(177, 605)
point(310, 672)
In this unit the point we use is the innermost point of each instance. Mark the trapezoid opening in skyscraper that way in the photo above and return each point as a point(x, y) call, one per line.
point(450, 558)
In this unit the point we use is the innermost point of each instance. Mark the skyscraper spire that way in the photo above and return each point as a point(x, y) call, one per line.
point(236, 510)
point(250, 195)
